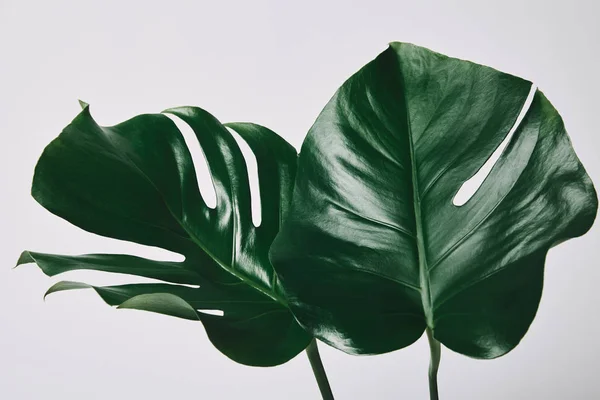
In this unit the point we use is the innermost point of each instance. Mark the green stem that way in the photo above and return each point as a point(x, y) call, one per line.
point(317, 366)
point(436, 353)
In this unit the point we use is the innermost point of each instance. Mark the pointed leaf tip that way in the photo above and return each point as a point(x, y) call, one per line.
point(66, 285)
point(175, 110)
point(24, 258)
point(83, 104)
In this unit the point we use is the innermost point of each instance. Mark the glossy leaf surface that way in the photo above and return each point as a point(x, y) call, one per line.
point(136, 181)
point(375, 251)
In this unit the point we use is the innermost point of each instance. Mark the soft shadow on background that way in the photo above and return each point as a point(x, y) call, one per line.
point(275, 64)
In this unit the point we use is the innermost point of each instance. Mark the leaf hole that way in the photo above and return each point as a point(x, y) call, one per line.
point(90, 245)
point(104, 278)
point(203, 175)
point(218, 313)
point(468, 189)
point(252, 167)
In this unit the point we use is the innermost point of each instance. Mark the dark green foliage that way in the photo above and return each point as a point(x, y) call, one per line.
point(374, 250)
point(135, 181)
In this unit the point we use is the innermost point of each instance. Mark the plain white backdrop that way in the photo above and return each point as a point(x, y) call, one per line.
point(275, 63)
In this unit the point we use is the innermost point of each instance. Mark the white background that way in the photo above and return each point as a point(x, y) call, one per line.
point(275, 63)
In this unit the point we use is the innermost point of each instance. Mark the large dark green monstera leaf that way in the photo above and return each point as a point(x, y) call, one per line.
point(375, 251)
point(135, 181)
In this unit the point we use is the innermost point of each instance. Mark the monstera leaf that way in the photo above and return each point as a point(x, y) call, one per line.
point(135, 181)
point(375, 250)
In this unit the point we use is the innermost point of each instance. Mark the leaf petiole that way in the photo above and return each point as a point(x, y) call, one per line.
point(317, 366)
point(436, 353)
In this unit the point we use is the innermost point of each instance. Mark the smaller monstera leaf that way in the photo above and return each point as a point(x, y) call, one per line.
point(375, 251)
point(135, 181)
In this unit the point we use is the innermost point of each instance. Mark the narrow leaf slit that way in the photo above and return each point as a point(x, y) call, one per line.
point(205, 183)
point(218, 313)
point(468, 189)
point(252, 168)
point(105, 278)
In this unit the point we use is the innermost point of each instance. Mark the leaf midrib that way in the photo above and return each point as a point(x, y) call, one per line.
point(420, 236)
